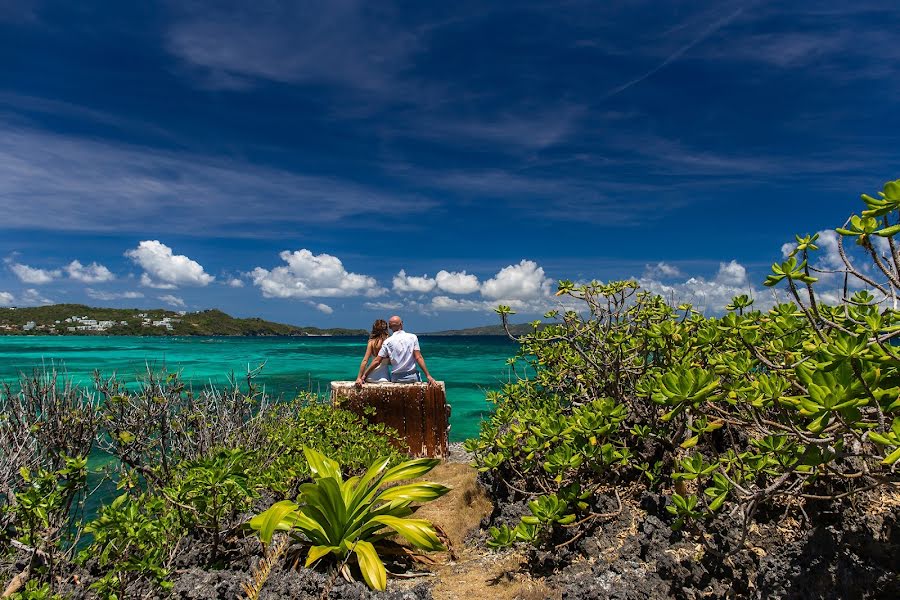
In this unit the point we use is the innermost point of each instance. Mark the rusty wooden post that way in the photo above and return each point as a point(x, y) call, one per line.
point(418, 412)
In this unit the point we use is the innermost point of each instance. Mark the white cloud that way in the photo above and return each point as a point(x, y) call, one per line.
point(102, 295)
point(732, 274)
point(32, 297)
point(6, 299)
point(235, 282)
point(93, 273)
point(386, 305)
point(707, 295)
point(32, 275)
point(457, 282)
point(408, 283)
point(524, 281)
point(172, 300)
point(309, 275)
point(148, 281)
point(446, 303)
point(165, 270)
point(324, 308)
point(661, 270)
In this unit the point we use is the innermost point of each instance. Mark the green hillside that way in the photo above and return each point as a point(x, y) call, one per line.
point(52, 320)
point(517, 329)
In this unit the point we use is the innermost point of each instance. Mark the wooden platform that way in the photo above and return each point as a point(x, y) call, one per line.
point(419, 412)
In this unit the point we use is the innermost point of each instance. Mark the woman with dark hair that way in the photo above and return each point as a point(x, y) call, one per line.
point(376, 339)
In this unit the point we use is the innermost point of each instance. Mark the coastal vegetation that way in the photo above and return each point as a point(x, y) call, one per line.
point(736, 422)
point(78, 319)
point(179, 470)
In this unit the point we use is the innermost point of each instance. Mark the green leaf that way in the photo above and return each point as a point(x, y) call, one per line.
point(888, 231)
point(892, 457)
point(417, 492)
point(418, 532)
point(273, 518)
point(717, 503)
point(321, 465)
point(317, 552)
point(690, 442)
point(410, 469)
point(370, 565)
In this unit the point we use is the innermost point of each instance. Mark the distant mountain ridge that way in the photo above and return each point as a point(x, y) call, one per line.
point(79, 319)
point(515, 329)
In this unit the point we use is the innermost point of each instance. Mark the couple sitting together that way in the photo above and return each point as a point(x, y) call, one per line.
point(400, 350)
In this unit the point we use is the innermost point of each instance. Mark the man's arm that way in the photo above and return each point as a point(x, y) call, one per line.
point(420, 360)
point(375, 362)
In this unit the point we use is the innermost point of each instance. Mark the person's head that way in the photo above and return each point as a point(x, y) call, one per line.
point(379, 329)
point(395, 323)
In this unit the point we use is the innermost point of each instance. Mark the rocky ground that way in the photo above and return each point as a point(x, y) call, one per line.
point(853, 554)
point(631, 554)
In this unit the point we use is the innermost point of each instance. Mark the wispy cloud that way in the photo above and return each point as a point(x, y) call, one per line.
point(110, 296)
point(55, 182)
point(517, 130)
point(343, 42)
point(718, 21)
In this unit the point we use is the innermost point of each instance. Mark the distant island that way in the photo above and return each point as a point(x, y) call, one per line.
point(78, 319)
point(517, 329)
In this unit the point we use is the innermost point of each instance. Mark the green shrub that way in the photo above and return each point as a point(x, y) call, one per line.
point(133, 538)
point(344, 517)
point(731, 412)
point(36, 591)
point(307, 422)
point(208, 493)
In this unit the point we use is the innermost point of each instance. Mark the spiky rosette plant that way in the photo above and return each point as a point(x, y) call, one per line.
point(349, 518)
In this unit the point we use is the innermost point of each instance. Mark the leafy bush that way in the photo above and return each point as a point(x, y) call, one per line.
point(342, 517)
point(133, 539)
point(36, 591)
point(725, 414)
point(349, 439)
point(164, 422)
point(47, 429)
point(44, 501)
point(190, 464)
point(209, 492)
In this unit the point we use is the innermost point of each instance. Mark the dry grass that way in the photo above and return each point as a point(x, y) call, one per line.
point(461, 510)
point(884, 500)
point(489, 576)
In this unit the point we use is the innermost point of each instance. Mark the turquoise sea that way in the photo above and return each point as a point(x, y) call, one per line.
point(469, 365)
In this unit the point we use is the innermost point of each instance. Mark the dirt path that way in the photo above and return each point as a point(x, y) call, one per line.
point(471, 572)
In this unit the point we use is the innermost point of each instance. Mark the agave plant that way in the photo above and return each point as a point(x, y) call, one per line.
point(349, 517)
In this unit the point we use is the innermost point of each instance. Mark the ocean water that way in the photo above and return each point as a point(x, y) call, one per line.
point(469, 365)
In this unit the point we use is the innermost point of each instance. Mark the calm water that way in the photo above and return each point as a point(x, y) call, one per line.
point(468, 365)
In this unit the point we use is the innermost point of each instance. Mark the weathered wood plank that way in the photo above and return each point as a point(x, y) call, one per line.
point(418, 412)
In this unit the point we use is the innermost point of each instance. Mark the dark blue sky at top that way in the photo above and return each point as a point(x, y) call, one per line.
point(594, 139)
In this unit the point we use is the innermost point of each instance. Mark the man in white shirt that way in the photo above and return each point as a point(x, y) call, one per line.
point(402, 349)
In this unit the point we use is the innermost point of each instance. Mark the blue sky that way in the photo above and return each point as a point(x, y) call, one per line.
point(289, 160)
